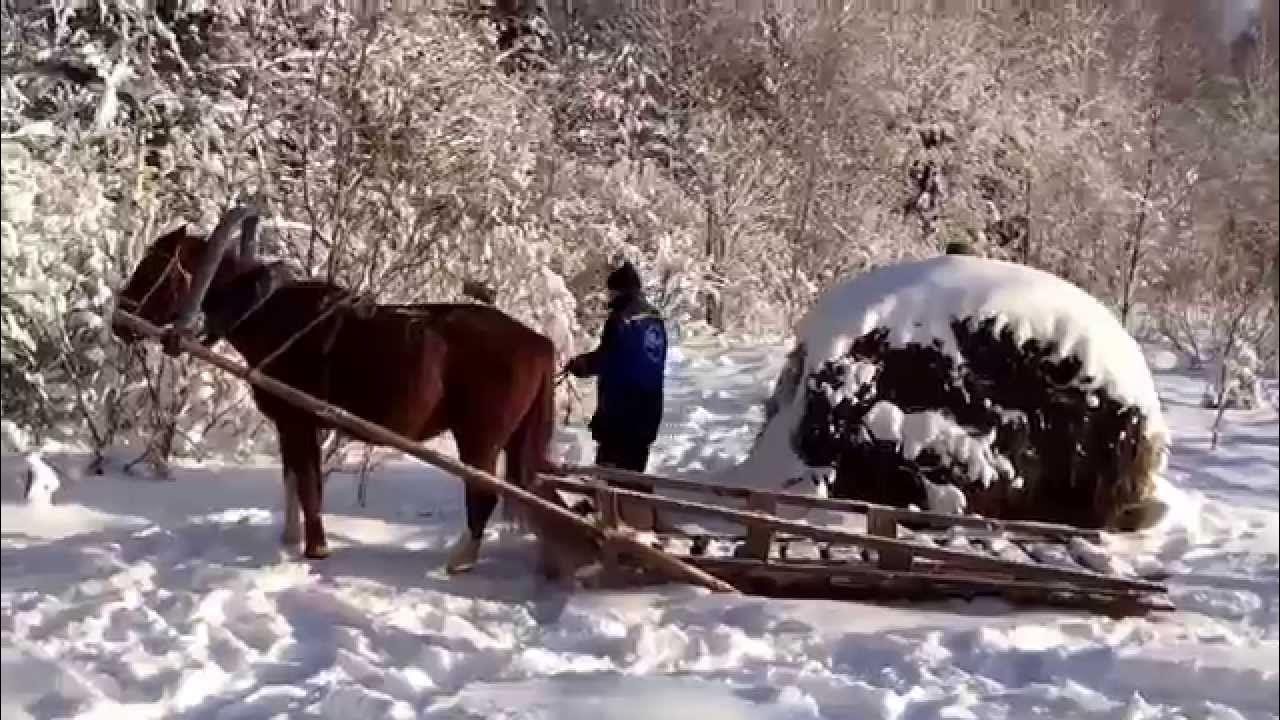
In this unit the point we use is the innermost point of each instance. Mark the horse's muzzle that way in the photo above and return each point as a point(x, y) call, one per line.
point(124, 334)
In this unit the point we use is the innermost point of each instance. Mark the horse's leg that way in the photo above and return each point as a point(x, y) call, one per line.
point(550, 563)
point(289, 462)
point(292, 534)
point(300, 444)
point(479, 504)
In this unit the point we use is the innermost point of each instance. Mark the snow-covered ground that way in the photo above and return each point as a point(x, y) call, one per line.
point(133, 598)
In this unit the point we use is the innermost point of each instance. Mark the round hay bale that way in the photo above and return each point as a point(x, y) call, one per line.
point(966, 384)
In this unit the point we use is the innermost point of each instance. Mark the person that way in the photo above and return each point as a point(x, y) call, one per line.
point(630, 367)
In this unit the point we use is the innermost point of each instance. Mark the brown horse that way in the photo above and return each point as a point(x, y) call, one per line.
point(417, 370)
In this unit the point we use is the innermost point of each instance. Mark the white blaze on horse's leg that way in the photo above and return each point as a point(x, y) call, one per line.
point(465, 551)
point(292, 511)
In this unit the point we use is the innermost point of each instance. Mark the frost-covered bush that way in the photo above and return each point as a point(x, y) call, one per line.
point(65, 377)
point(57, 239)
point(745, 163)
point(1232, 381)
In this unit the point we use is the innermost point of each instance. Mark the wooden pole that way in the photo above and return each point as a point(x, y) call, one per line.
point(555, 515)
point(883, 525)
point(607, 503)
point(849, 537)
point(838, 505)
point(760, 539)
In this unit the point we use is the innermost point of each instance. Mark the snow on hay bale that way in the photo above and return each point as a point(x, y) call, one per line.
point(963, 384)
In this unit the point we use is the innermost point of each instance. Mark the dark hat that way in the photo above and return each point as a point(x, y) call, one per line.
point(624, 279)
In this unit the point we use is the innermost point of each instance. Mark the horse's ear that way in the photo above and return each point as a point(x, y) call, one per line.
point(173, 236)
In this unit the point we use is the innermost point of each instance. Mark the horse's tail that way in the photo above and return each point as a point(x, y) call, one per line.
point(539, 427)
point(527, 450)
point(564, 550)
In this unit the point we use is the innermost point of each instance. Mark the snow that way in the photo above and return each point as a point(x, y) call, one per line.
point(129, 597)
point(918, 302)
point(42, 481)
point(944, 498)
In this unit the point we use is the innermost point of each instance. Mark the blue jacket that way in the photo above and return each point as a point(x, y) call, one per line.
point(630, 363)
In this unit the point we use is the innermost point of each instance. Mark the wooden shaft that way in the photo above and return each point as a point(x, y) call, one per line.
point(555, 514)
point(814, 532)
point(839, 505)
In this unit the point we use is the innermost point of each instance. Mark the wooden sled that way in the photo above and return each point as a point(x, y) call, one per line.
point(944, 557)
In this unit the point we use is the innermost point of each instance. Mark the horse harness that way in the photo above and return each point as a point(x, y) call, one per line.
point(342, 305)
point(277, 277)
point(363, 306)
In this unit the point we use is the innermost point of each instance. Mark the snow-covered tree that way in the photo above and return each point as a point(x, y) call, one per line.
point(744, 161)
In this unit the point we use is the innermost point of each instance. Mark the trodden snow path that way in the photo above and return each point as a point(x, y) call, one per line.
point(132, 598)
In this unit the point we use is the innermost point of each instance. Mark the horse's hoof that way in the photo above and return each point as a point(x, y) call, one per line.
point(460, 569)
point(459, 565)
point(290, 539)
point(318, 552)
point(464, 554)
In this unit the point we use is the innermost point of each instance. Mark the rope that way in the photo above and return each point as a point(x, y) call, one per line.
point(255, 308)
point(344, 301)
point(130, 306)
point(576, 398)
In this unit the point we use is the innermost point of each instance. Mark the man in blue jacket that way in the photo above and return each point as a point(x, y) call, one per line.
point(630, 365)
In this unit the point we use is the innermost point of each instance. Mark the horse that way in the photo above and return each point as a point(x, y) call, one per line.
point(417, 370)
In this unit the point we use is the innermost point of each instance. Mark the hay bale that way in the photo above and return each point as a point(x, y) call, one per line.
point(967, 384)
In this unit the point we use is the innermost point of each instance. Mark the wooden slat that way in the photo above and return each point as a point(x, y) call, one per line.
point(813, 532)
point(1005, 549)
point(559, 518)
point(607, 505)
point(784, 579)
point(937, 575)
point(885, 525)
point(759, 539)
point(1052, 555)
point(1050, 530)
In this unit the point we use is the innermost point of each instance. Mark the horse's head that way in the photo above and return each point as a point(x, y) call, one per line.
point(177, 270)
point(161, 281)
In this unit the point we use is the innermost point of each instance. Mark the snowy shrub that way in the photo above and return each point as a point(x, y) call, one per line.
point(1232, 381)
point(745, 163)
point(54, 302)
